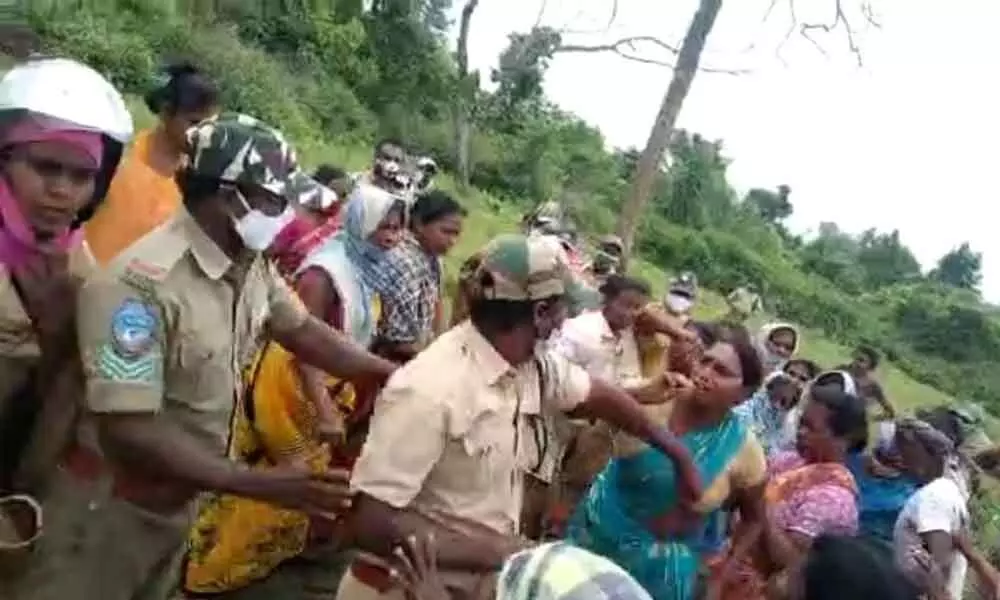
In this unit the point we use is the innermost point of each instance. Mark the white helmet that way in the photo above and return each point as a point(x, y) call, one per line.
point(69, 91)
point(73, 93)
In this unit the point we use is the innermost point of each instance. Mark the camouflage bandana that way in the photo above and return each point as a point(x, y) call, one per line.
point(240, 149)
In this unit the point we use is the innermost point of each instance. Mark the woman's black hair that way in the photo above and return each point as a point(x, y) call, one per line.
point(746, 351)
point(848, 417)
point(833, 379)
point(849, 567)
point(812, 369)
point(186, 89)
point(870, 353)
point(433, 206)
point(327, 173)
point(616, 284)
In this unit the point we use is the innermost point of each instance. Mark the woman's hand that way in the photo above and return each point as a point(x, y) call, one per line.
point(678, 386)
point(325, 494)
point(877, 469)
point(47, 289)
point(417, 571)
point(927, 575)
point(332, 428)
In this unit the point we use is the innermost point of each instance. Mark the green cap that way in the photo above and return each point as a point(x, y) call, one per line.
point(240, 149)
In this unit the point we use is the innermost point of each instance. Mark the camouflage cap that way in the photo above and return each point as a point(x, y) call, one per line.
point(612, 241)
point(526, 268)
point(240, 149)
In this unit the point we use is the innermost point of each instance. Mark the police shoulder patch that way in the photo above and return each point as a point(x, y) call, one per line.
point(132, 350)
point(110, 365)
point(135, 327)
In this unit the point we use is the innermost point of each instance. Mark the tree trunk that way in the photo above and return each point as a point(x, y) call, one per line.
point(659, 136)
point(465, 96)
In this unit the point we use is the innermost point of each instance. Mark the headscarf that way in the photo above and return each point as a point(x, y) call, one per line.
point(771, 360)
point(561, 571)
point(18, 242)
point(366, 208)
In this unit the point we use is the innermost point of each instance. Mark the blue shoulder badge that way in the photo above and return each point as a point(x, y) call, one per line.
point(132, 353)
point(134, 329)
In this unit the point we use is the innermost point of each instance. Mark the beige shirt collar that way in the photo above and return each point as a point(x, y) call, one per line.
point(210, 258)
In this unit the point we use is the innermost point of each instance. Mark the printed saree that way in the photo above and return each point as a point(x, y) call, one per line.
point(619, 517)
point(811, 499)
point(236, 540)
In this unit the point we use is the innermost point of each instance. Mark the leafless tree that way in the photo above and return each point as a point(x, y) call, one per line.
point(466, 93)
point(688, 60)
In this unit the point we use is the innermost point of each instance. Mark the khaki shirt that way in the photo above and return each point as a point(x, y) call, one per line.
point(170, 326)
point(19, 351)
point(443, 437)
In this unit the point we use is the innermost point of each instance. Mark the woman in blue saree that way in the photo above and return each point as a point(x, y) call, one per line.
point(883, 486)
point(631, 513)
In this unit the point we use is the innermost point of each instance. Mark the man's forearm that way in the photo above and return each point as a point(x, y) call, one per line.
point(613, 405)
point(648, 391)
point(378, 528)
point(151, 444)
point(325, 348)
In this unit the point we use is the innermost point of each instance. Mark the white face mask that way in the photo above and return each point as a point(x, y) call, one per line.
point(679, 305)
point(258, 230)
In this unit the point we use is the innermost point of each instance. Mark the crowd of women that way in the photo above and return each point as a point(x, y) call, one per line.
point(563, 434)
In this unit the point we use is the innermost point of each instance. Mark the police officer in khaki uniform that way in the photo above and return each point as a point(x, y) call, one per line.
point(166, 333)
point(455, 449)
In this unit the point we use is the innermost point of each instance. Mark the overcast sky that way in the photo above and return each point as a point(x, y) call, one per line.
point(907, 141)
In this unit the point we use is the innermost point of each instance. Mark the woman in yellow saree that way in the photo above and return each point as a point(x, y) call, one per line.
point(236, 541)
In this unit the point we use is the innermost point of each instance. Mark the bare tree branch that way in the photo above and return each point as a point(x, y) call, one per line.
point(840, 20)
point(541, 13)
point(763, 20)
point(612, 18)
point(626, 48)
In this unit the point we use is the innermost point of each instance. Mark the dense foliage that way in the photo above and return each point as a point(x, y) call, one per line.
point(348, 71)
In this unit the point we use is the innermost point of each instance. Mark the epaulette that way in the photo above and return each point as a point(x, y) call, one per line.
point(143, 275)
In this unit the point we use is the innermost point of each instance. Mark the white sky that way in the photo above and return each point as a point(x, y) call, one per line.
point(908, 141)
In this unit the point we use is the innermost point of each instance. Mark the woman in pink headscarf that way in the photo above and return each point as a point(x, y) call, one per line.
point(62, 130)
